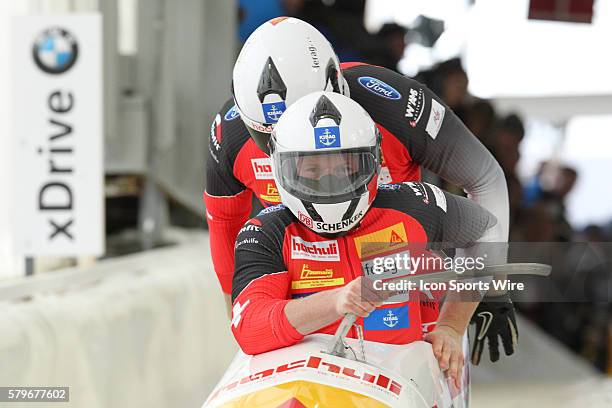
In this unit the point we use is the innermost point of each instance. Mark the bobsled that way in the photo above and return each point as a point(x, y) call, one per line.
point(335, 371)
point(305, 375)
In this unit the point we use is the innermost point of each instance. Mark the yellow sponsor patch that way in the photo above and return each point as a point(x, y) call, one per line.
point(310, 278)
point(316, 283)
point(381, 241)
point(271, 195)
point(308, 273)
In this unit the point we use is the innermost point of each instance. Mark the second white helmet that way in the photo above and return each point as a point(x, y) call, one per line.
point(326, 158)
point(281, 61)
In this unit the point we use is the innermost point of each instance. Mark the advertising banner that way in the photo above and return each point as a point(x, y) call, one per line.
point(57, 134)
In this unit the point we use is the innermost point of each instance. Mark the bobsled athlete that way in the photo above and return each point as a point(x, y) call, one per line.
point(299, 264)
point(285, 59)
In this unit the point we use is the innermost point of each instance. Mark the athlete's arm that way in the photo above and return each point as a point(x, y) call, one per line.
point(456, 155)
point(458, 222)
point(435, 138)
point(264, 318)
point(321, 309)
point(228, 202)
point(260, 289)
point(494, 315)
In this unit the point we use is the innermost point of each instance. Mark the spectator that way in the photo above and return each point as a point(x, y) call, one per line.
point(506, 140)
point(392, 38)
point(480, 119)
point(448, 80)
point(557, 182)
point(504, 144)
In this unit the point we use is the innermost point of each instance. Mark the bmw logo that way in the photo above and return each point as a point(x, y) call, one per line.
point(55, 51)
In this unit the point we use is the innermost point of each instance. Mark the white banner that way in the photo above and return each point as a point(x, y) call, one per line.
point(57, 143)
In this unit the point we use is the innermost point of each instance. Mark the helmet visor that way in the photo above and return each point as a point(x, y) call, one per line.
point(326, 177)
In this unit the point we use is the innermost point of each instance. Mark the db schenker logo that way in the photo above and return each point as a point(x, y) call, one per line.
point(55, 50)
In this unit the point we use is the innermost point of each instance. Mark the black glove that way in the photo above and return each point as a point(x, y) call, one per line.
point(494, 317)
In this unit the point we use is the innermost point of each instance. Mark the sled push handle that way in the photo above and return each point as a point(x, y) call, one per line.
point(337, 347)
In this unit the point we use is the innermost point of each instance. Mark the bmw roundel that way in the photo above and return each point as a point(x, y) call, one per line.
point(55, 50)
point(231, 114)
point(380, 88)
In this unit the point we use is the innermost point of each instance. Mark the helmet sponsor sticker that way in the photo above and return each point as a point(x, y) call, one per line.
point(273, 111)
point(314, 53)
point(380, 88)
point(414, 108)
point(436, 116)
point(262, 168)
point(305, 219)
point(264, 128)
point(277, 20)
point(327, 137)
point(393, 318)
point(231, 114)
point(338, 226)
point(317, 251)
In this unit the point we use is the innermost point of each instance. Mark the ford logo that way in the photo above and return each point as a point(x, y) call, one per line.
point(231, 114)
point(378, 87)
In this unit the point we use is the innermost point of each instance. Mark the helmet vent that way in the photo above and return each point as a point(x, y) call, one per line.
point(324, 109)
point(332, 76)
point(271, 82)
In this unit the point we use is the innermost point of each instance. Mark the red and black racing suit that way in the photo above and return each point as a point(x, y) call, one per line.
point(417, 129)
point(279, 259)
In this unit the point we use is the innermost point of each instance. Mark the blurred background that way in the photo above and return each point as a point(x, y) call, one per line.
point(141, 321)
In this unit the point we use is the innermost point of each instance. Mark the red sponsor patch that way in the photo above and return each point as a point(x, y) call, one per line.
point(304, 219)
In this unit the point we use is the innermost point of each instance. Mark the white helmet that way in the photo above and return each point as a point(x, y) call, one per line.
point(325, 154)
point(281, 61)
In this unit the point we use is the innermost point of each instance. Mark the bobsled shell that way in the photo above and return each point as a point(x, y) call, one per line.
point(303, 394)
point(303, 376)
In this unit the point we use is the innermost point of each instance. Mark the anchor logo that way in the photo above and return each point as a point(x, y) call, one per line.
point(274, 113)
point(327, 138)
point(390, 320)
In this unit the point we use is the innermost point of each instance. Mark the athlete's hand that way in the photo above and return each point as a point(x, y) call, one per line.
point(446, 345)
point(358, 298)
point(494, 317)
